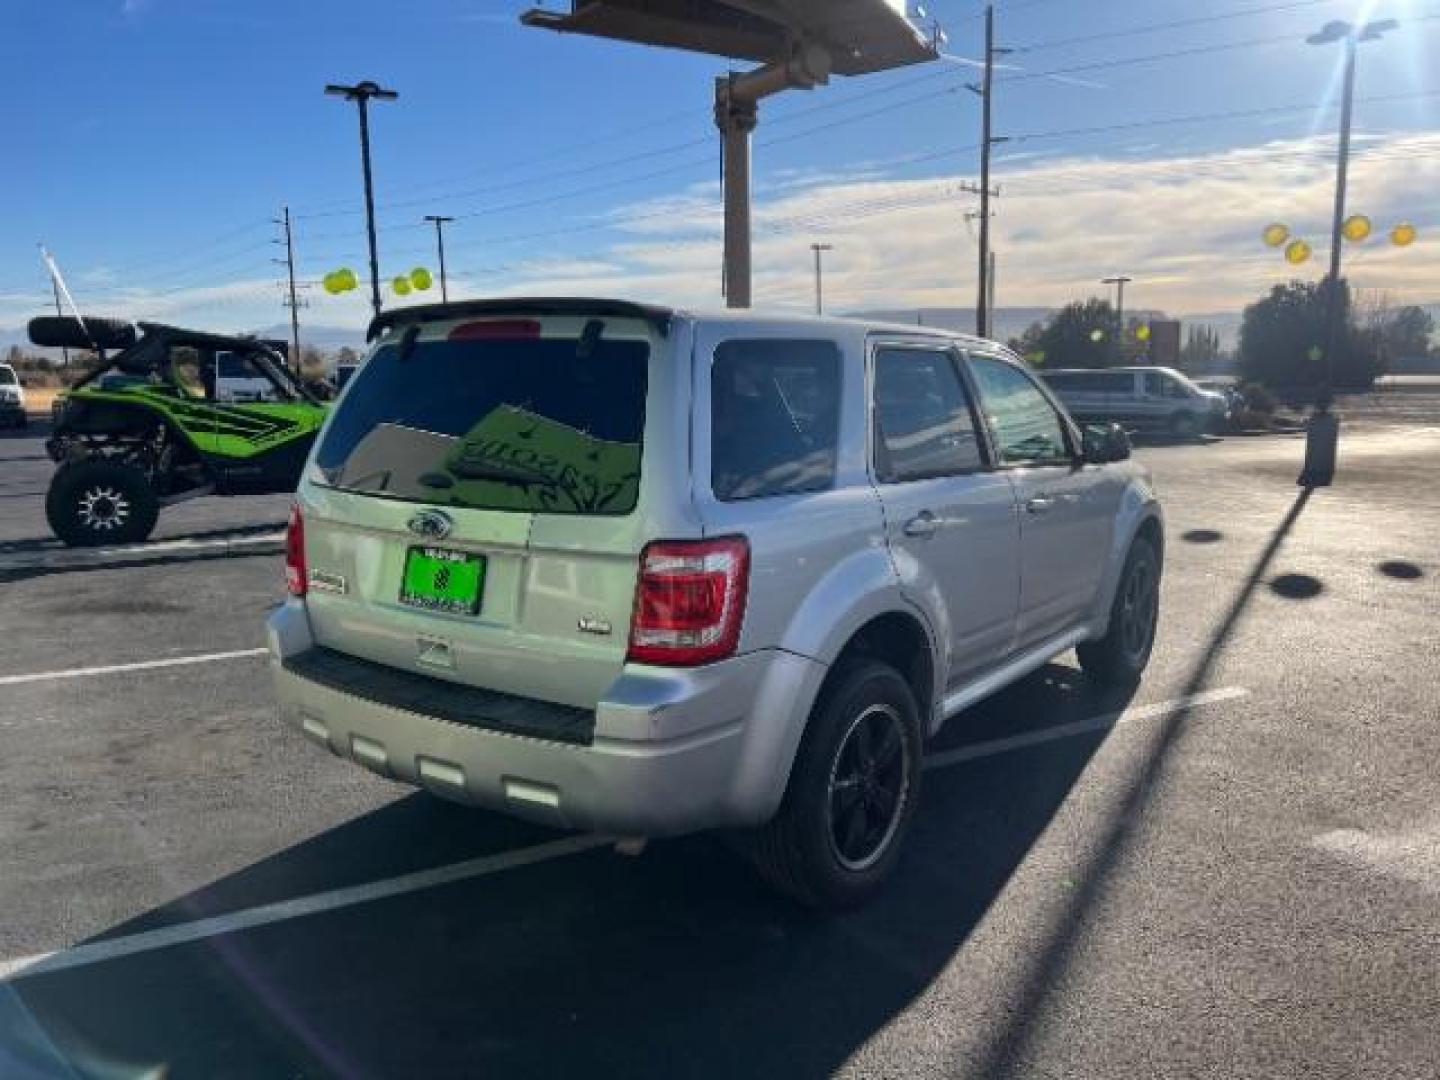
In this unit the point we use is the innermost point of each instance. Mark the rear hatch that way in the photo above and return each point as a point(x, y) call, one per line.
point(475, 508)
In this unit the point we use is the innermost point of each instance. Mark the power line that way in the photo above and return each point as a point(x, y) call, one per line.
point(1176, 24)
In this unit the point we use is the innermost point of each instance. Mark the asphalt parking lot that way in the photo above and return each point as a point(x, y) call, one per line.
point(1232, 871)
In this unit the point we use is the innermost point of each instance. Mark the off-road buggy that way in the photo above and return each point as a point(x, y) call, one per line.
point(147, 428)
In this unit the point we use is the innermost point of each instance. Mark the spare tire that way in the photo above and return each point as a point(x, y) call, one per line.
point(65, 332)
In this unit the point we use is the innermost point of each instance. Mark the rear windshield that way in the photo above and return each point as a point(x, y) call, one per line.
point(7, 376)
point(512, 424)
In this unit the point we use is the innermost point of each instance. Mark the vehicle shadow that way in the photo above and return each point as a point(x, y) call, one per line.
point(678, 963)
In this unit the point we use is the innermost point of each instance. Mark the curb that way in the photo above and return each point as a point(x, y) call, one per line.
point(63, 558)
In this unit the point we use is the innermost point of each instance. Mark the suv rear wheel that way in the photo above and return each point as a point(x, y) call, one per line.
point(852, 792)
point(1121, 655)
point(100, 502)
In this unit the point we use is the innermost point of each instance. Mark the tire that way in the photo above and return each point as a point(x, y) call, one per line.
point(806, 850)
point(1185, 425)
point(63, 331)
point(100, 502)
point(1121, 655)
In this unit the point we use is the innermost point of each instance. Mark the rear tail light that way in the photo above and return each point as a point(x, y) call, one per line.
point(689, 601)
point(295, 553)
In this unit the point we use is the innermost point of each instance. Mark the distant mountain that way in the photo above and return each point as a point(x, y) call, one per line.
point(324, 338)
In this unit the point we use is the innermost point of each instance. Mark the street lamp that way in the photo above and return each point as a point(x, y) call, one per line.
point(818, 248)
point(1323, 432)
point(1352, 36)
point(1119, 282)
point(361, 93)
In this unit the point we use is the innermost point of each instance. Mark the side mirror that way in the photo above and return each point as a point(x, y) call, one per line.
point(1104, 443)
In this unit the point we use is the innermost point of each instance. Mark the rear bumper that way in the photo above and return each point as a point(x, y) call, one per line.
point(672, 751)
point(11, 411)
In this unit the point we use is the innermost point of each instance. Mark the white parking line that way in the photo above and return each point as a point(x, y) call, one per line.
point(1082, 727)
point(98, 951)
point(281, 911)
point(139, 665)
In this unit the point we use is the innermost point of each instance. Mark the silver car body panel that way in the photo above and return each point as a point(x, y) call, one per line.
point(674, 750)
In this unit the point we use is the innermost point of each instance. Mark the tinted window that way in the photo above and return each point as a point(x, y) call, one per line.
point(923, 423)
point(1027, 428)
point(7, 376)
point(522, 423)
point(234, 365)
point(774, 417)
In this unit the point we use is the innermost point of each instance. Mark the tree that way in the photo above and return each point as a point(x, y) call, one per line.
point(1068, 338)
point(1283, 338)
point(1201, 350)
point(1387, 333)
point(346, 355)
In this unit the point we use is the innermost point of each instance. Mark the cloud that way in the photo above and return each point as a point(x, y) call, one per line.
point(1185, 224)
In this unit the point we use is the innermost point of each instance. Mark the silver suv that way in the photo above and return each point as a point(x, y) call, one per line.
point(643, 571)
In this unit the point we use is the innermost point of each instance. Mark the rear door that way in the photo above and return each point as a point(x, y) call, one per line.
point(1067, 508)
point(476, 506)
point(950, 518)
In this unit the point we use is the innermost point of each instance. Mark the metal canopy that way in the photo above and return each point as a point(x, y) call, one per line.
point(861, 36)
point(797, 43)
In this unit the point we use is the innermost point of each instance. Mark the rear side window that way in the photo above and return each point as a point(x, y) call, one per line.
point(774, 417)
point(523, 423)
point(923, 423)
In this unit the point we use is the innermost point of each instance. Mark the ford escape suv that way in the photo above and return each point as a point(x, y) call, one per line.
point(644, 572)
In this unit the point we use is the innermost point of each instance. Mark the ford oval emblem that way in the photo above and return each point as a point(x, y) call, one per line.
point(430, 525)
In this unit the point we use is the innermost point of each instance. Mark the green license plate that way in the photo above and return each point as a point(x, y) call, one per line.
point(440, 580)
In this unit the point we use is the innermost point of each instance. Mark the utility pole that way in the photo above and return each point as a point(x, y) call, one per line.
point(440, 221)
point(55, 286)
point(361, 93)
point(1119, 283)
point(294, 302)
point(987, 140)
point(819, 302)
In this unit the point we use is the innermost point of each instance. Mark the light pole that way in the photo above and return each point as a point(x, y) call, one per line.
point(819, 296)
point(1119, 282)
point(440, 220)
point(1351, 35)
point(361, 93)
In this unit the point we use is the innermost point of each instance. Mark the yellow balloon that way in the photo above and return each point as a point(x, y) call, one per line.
point(1275, 235)
point(1403, 235)
point(1142, 333)
point(401, 285)
point(1297, 252)
point(1356, 228)
point(333, 285)
point(420, 279)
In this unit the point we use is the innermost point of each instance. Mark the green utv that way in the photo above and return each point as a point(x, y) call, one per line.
point(172, 415)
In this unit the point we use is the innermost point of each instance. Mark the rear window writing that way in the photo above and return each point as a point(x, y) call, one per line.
point(775, 412)
point(523, 424)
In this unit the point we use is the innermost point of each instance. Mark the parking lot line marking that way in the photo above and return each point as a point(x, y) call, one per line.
point(1103, 722)
point(283, 910)
point(249, 918)
point(139, 665)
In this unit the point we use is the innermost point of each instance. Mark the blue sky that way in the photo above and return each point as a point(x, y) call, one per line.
point(151, 140)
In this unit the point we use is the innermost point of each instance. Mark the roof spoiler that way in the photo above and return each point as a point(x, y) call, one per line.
point(659, 317)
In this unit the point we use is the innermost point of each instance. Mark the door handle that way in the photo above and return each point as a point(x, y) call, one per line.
point(922, 524)
point(1040, 504)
